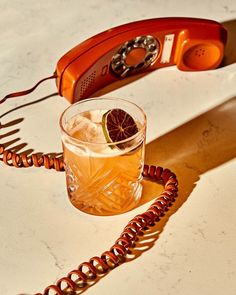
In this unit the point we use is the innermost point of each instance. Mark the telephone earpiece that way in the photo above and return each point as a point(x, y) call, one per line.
point(202, 56)
point(197, 54)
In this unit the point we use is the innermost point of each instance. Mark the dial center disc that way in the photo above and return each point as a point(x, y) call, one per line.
point(135, 56)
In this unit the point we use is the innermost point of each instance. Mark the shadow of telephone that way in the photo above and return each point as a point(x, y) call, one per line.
point(121, 54)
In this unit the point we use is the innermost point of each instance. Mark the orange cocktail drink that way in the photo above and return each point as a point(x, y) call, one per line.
point(103, 144)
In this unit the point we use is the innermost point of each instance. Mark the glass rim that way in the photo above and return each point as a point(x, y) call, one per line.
point(79, 141)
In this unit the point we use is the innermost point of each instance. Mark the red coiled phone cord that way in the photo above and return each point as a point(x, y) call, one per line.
point(19, 160)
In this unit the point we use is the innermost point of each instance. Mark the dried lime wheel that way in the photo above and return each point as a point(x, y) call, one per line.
point(118, 125)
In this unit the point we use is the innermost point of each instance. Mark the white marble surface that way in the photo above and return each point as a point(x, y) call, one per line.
point(191, 129)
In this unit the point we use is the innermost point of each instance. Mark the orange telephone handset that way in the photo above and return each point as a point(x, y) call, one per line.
point(192, 44)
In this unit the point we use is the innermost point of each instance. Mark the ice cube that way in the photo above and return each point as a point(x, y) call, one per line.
point(96, 115)
point(84, 129)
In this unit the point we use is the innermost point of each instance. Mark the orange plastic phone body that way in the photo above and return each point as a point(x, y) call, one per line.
point(192, 44)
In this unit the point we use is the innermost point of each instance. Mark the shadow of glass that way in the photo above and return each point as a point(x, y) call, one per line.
point(196, 147)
